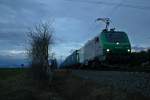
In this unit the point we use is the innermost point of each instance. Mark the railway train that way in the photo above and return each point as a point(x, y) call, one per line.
point(108, 46)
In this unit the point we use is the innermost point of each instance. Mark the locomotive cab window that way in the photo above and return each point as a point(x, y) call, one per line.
point(116, 37)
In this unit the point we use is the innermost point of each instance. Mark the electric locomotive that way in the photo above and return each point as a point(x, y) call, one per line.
point(108, 46)
point(116, 45)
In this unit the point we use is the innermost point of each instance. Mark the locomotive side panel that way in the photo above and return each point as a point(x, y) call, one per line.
point(81, 55)
point(89, 51)
point(93, 49)
point(99, 49)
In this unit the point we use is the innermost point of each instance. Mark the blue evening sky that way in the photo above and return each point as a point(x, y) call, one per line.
point(73, 21)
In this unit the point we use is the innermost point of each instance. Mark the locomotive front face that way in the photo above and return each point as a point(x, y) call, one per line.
point(115, 43)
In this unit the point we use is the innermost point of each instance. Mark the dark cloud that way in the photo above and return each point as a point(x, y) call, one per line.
point(7, 61)
point(12, 58)
point(74, 22)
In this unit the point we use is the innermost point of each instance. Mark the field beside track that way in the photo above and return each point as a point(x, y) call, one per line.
point(15, 84)
point(102, 85)
point(6, 73)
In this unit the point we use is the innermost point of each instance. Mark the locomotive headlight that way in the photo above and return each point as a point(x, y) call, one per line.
point(117, 43)
point(107, 50)
point(129, 50)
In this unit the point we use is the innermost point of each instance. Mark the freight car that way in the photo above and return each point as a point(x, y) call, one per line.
point(108, 46)
point(72, 60)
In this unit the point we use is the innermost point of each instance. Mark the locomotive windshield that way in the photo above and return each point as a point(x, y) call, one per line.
point(116, 37)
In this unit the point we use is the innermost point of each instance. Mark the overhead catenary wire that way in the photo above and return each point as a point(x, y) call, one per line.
point(114, 9)
point(112, 4)
point(117, 6)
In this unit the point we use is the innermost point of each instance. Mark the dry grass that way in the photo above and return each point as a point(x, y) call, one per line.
point(65, 86)
point(17, 85)
point(73, 88)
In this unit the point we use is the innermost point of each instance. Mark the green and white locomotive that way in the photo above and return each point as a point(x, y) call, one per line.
point(109, 45)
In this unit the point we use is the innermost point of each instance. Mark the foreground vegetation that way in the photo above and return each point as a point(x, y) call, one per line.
point(16, 84)
point(140, 58)
point(71, 87)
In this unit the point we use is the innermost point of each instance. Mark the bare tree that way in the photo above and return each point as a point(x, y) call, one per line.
point(41, 40)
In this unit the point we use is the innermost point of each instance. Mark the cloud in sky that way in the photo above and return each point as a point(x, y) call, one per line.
point(74, 22)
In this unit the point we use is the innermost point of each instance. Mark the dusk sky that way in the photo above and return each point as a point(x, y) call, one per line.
point(73, 22)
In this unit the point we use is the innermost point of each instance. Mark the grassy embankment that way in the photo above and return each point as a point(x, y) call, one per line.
point(74, 88)
point(15, 84)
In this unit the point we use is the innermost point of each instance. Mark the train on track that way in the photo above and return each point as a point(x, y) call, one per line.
point(109, 46)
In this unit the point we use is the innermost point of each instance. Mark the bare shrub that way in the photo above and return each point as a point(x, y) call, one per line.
point(41, 40)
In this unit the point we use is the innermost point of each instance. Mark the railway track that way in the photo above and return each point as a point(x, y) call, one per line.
point(129, 81)
point(108, 67)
